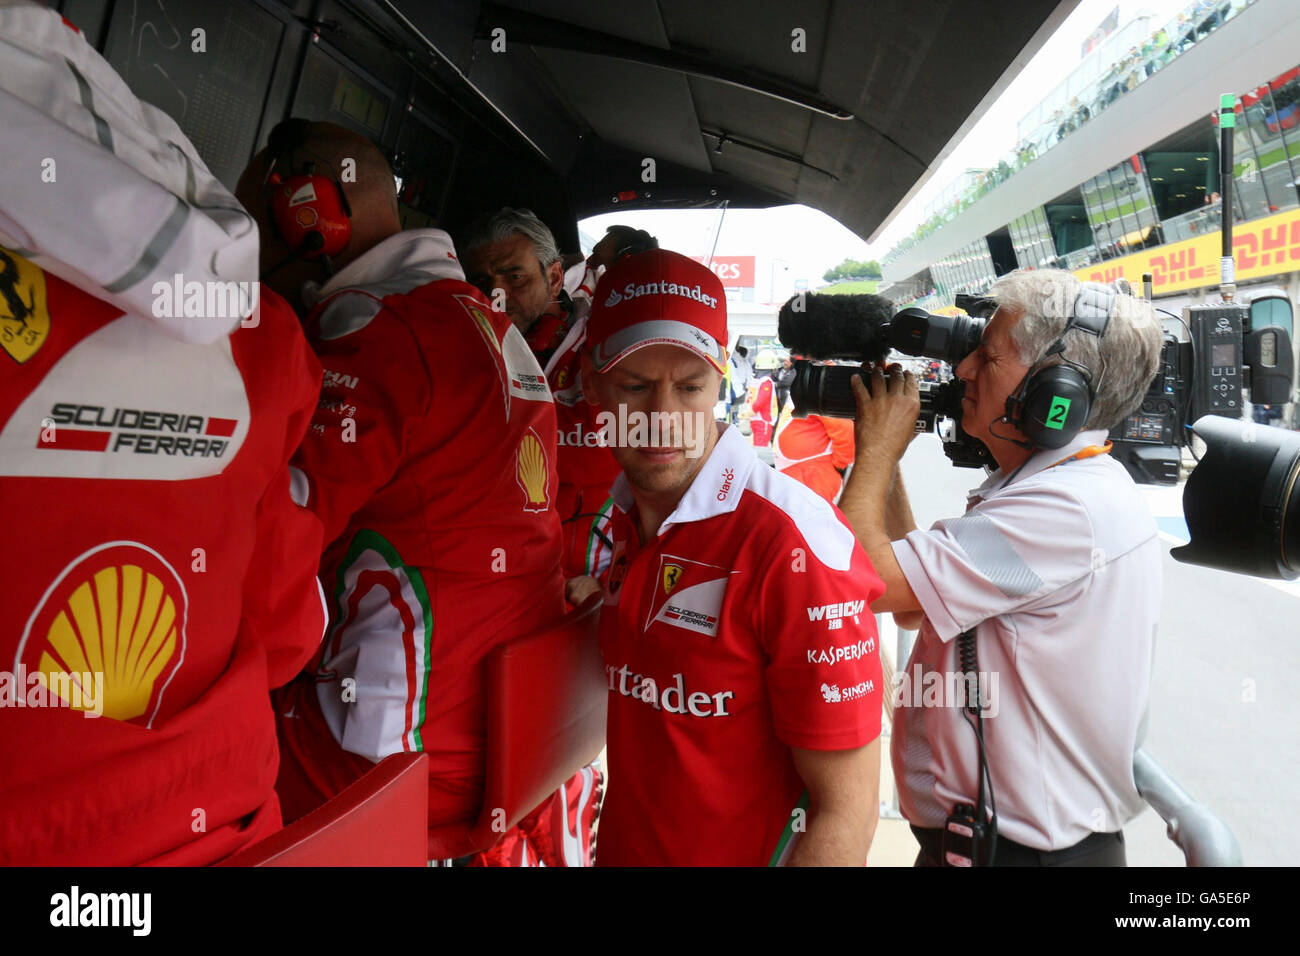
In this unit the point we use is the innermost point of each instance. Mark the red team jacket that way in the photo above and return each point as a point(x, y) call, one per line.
point(742, 630)
point(431, 463)
point(150, 540)
point(587, 467)
point(814, 450)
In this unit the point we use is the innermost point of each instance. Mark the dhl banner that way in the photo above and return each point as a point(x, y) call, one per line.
point(1262, 247)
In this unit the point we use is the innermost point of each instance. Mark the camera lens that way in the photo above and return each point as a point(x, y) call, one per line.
point(823, 390)
point(949, 338)
point(1256, 528)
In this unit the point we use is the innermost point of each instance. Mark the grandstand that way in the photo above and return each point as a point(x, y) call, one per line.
point(1116, 169)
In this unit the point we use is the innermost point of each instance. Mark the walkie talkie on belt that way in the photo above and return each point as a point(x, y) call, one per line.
point(970, 834)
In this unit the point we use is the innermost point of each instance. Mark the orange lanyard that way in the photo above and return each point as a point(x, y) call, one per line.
point(1089, 452)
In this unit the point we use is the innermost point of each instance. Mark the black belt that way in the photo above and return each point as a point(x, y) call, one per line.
point(1011, 853)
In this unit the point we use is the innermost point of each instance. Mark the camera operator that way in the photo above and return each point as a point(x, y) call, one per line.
point(1054, 569)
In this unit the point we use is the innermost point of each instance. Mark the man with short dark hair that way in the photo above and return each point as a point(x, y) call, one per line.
point(744, 675)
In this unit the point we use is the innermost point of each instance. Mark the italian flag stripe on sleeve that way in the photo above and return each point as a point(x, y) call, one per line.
point(595, 546)
point(797, 824)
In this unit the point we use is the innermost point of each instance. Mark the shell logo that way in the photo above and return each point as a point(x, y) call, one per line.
point(305, 217)
point(485, 326)
point(533, 472)
point(119, 610)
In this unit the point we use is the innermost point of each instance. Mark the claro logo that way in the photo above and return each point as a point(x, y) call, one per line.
point(728, 476)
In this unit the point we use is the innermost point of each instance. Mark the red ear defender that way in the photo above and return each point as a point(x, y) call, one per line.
point(310, 214)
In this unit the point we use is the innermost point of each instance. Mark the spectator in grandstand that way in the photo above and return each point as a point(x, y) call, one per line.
point(734, 592)
point(1054, 572)
point(437, 492)
point(512, 256)
point(158, 577)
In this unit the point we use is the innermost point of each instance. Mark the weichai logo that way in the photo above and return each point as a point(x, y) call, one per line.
point(102, 428)
point(834, 614)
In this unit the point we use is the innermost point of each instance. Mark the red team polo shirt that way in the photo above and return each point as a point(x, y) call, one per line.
point(742, 630)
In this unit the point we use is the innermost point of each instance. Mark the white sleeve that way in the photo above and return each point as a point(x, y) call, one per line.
point(1006, 554)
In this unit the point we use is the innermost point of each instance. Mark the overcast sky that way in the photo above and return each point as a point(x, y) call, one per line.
point(796, 242)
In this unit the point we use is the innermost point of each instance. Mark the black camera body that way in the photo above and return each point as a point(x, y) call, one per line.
point(1149, 442)
point(827, 390)
point(1235, 351)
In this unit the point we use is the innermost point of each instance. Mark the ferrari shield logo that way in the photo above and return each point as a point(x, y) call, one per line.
point(24, 314)
point(672, 574)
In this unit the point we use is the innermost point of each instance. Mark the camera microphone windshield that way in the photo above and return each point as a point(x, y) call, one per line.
point(846, 327)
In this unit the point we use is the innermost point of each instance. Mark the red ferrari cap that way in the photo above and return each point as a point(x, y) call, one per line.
point(658, 297)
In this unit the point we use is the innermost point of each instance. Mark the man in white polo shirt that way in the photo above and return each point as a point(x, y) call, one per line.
point(744, 675)
point(1054, 569)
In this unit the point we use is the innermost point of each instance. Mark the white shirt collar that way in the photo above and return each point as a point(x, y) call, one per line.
point(1038, 461)
point(716, 488)
point(423, 254)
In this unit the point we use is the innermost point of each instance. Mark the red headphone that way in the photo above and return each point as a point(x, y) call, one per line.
point(309, 211)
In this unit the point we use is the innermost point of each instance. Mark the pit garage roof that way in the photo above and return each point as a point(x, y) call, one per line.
point(849, 117)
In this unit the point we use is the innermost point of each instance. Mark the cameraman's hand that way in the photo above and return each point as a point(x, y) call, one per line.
point(886, 421)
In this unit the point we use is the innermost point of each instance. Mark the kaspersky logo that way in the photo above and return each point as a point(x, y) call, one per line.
point(105, 428)
point(846, 652)
point(119, 611)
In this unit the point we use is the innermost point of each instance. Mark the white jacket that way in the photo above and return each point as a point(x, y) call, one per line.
point(134, 206)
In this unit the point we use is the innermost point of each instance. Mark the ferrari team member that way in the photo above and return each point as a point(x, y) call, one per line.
point(159, 579)
point(763, 417)
point(816, 451)
point(513, 258)
point(437, 492)
point(744, 675)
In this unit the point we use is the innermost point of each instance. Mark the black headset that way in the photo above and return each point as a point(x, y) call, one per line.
point(1052, 403)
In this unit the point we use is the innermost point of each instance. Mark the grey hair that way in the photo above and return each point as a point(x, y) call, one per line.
point(507, 222)
point(1122, 362)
